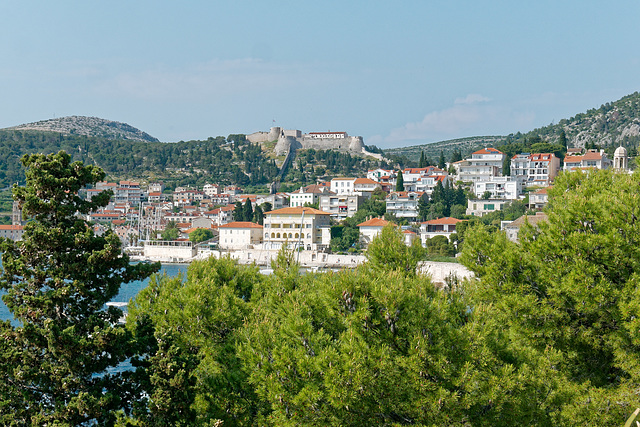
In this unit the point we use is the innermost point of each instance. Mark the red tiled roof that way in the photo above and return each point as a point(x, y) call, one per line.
point(11, 227)
point(442, 221)
point(241, 224)
point(364, 181)
point(375, 222)
point(297, 211)
point(488, 150)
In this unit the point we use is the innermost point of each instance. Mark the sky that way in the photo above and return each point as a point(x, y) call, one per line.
point(396, 73)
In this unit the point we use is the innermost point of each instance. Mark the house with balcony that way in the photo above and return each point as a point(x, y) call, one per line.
point(302, 227)
point(482, 165)
point(481, 207)
point(500, 187)
point(340, 206)
point(438, 227)
point(371, 228)
point(537, 169)
point(539, 199)
point(365, 187)
point(404, 204)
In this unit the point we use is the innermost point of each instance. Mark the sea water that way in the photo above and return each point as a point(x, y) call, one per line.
point(127, 290)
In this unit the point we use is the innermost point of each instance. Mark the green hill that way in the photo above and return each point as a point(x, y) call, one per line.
point(613, 124)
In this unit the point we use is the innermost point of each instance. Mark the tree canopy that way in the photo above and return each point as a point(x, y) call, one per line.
point(55, 365)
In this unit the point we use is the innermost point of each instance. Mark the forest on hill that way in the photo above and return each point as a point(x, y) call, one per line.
point(220, 160)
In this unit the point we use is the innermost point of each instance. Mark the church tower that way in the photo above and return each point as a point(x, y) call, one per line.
point(620, 159)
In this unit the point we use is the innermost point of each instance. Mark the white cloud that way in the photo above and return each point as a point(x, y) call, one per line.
point(472, 98)
point(473, 115)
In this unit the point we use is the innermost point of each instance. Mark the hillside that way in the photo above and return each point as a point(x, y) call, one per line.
point(89, 126)
point(432, 151)
point(613, 124)
point(220, 160)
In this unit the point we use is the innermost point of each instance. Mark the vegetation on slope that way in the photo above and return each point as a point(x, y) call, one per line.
point(612, 125)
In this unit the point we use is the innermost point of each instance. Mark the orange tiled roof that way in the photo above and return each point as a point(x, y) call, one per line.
point(488, 150)
point(443, 221)
point(298, 211)
point(374, 222)
point(241, 224)
point(364, 181)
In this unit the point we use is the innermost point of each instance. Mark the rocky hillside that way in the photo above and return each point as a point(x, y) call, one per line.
point(89, 126)
point(613, 124)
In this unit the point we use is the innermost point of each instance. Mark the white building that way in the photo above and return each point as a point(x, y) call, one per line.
point(482, 165)
point(211, 189)
point(343, 185)
point(303, 227)
point(365, 187)
point(427, 184)
point(592, 159)
point(538, 169)
point(381, 175)
point(438, 227)
point(500, 187)
point(340, 206)
point(307, 195)
point(478, 207)
point(404, 204)
point(538, 199)
point(371, 228)
point(239, 235)
point(11, 232)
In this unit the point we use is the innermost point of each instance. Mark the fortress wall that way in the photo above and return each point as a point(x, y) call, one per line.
point(258, 137)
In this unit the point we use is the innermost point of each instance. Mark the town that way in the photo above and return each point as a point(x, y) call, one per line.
point(192, 223)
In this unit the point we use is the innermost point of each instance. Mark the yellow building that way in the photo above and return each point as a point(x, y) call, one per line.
point(303, 227)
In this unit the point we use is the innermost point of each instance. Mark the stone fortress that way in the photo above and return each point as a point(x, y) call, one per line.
point(292, 140)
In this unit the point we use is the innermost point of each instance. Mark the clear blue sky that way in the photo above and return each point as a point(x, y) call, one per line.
point(397, 73)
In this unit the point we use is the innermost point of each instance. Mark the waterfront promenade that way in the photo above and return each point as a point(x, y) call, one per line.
point(440, 272)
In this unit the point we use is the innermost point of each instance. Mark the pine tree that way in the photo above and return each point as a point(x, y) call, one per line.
point(423, 161)
point(58, 279)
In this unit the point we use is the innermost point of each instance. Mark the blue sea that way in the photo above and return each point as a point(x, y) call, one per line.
point(127, 291)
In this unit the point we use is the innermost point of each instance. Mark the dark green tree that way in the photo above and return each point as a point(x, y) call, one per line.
point(568, 292)
point(423, 160)
point(170, 231)
point(238, 212)
point(442, 164)
point(562, 139)
point(200, 235)
point(247, 210)
point(55, 364)
point(399, 182)
point(258, 215)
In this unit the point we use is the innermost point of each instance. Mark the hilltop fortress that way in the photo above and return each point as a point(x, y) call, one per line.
point(292, 140)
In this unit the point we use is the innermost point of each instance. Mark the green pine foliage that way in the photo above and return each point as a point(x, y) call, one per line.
point(56, 363)
point(569, 292)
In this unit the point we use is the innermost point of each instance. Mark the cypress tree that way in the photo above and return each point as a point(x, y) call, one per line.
point(400, 182)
